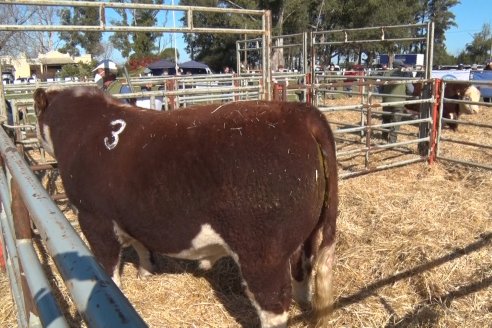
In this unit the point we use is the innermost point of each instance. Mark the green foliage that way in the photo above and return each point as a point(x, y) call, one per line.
point(169, 54)
point(80, 70)
point(442, 57)
point(480, 49)
point(90, 41)
point(139, 44)
point(439, 12)
point(296, 16)
point(217, 50)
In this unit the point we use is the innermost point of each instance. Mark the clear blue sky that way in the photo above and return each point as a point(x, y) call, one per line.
point(470, 16)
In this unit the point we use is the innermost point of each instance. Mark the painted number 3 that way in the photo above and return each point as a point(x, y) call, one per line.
point(114, 134)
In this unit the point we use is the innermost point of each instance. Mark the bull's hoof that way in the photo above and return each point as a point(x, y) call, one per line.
point(144, 273)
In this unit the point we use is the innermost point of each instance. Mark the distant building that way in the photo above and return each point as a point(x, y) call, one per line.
point(44, 66)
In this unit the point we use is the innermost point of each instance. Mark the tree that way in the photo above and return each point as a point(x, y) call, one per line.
point(89, 41)
point(15, 42)
point(80, 70)
point(43, 42)
point(439, 12)
point(217, 50)
point(296, 16)
point(478, 50)
point(136, 44)
point(169, 54)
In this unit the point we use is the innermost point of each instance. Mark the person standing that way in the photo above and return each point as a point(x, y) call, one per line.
point(331, 72)
point(393, 93)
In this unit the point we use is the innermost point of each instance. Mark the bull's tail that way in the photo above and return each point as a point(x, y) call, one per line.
point(322, 300)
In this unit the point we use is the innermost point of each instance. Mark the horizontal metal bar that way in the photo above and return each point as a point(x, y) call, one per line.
point(380, 146)
point(95, 295)
point(368, 41)
point(450, 159)
point(385, 125)
point(191, 91)
point(105, 28)
point(468, 143)
point(483, 125)
point(374, 28)
point(117, 5)
point(457, 101)
point(380, 168)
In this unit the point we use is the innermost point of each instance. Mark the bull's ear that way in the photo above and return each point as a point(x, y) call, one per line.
point(40, 101)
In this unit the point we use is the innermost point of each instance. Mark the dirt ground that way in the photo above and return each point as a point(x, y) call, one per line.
point(414, 249)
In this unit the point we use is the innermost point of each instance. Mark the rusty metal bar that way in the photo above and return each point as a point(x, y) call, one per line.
point(368, 41)
point(374, 28)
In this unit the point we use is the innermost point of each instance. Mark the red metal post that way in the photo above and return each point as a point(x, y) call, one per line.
point(435, 120)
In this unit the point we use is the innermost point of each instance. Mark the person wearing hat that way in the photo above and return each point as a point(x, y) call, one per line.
point(393, 93)
point(105, 79)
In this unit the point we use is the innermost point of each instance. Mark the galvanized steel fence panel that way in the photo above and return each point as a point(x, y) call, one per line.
point(96, 297)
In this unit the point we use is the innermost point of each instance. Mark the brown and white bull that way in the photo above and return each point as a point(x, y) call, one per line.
point(458, 91)
point(253, 180)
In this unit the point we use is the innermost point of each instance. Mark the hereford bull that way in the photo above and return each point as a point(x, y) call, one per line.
point(458, 91)
point(253, 180)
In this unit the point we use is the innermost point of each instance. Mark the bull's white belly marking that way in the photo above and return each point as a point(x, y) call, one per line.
point(115, 134)
point(207, 245)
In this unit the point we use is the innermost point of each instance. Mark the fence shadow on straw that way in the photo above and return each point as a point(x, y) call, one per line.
point(485, 240)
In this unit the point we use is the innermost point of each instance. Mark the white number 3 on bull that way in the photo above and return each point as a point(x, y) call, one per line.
point(114, 134)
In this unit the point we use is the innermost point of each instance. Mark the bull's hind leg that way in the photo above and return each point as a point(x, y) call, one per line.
point(103, 241)
point(302, 268)
point(301, 282)
point(269, 290)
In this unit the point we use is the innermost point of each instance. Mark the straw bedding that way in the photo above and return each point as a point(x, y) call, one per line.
point(414, 250)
